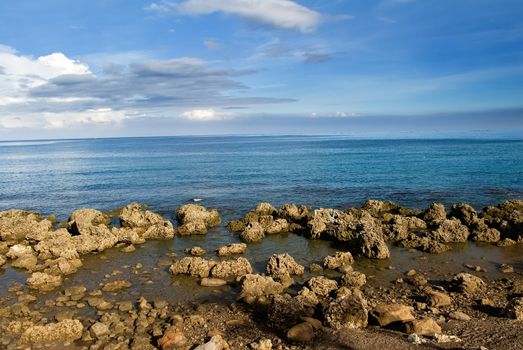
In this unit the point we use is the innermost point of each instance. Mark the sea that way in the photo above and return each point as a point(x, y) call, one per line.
point(234, 174)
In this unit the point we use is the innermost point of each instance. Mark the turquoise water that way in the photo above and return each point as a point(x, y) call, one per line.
point(235, 173)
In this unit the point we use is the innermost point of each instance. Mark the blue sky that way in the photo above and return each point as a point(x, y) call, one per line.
point(123, 68)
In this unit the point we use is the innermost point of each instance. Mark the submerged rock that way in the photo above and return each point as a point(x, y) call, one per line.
point(117, 286)
point(195, 251)
point(44, 282)
point(196, 219)
point(212, 282)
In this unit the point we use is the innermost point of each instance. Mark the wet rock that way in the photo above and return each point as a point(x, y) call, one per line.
point(99, 330)
point(464, 212)
point(322, 286)
point(231, 268)
point(234, 248)
point(194, 266)
point(350, 311)
point(196, 219)
point(424, 243)
point(426, 327)
point(94, 238)
point(460, 316)
point(266, 209)
point(145, 223)
point(514, 309)
point(294, 214)
point(302, 332)
point(353, 279)
point(467, 283)
point(435, 214)
point(128, 249)
point(315, 268)
point(282, 265)
point(129, 235)
point(236, 226)
point(27, 262)
point(277, 226)
point(19, 250)
point(59, 244)
point(377, 208)
point(253, 232)
point(482, 233)
point(15, 225)
point(504, 268)
point(256, 288)
point(216, 343)
point(451, 230)
point(172, 339)
point(339, 259)
point(3, 260)
point(386, 314)
point(44, 282)
point(400, 227)
point(438, 299)
point(195, 251)
point(53, 333)
point(506, 242)
point(212, 282)
point(117, 286)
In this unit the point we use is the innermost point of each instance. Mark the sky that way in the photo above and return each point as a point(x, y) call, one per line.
point(104, 68)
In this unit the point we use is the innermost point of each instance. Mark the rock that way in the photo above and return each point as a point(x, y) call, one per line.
point(236, 226)
point(172, 339)
point(19, 250)
point(212, 282)
point(117, 286)
point(482, 233)
point(425, 327)
point(302, 332)
point(44, 282)
point(256, 288)
point(27, 262)
point(514, 309)
point(460, 316)
point(253, 232)
point(82, 220)
point(350, 311)
point(353, 279)
point(451, 230)
point(285, 310)
point(377, 208)
point(315, 268)
point(437, 299)
point(331, 223)
point(507, 218)
point(128, 249)
point(196, 219)
point(277, 226)
point(467, 283)
point(371, 241)
point(99, 330)
point(262, 344)
point(231, 268)
point(194, 266)
point(294, 214)
point(434, 214)
point(504, 268)
point(266, 209)
point(322, 286)
point(53, 333)
point(400, 227)
point(506, 242)
point(145, 223)
point(195, 251)
point(281, 265)
point(386, 314)
point(233, 248)
point(339, 259)
point(58, 245)
point(464, 212)
point(15, 225)
point(3, 260)
point(216, 343)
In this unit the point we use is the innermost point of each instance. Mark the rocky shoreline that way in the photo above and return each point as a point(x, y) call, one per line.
point(275, 308)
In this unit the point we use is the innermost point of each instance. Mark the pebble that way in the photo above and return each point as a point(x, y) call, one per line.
point(460, 316)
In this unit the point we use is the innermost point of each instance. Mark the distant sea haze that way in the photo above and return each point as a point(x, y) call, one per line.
point(234, 173)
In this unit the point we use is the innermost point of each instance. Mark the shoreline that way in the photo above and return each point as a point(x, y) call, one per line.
point(326, 304)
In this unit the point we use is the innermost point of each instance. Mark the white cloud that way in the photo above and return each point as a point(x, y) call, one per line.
point(285, 14)
point(205, 115)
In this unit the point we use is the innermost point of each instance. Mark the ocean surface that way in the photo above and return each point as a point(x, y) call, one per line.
point(233, 174)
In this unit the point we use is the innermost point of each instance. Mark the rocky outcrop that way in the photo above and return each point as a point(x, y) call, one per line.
point(298, 215)
point(450, 231)
point(266, 209)
point(16, 225)
point(233, 248)
point(332, 223)
point(434, 214)
point(400, 227)
point(252, 233)
point(257, 288)
point(58, 245)
point(281, 266)
point(378, 208)
point(353, 279)
point(231, 268)
point(507, 218)
point(195, 251)
point(371, 242)
point(338, 260)
point(322, 286)
point(196, 219)
point(145, 223)
point(464, 212)
point(193, 266)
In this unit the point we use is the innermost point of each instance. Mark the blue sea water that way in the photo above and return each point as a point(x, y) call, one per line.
point(234, 173)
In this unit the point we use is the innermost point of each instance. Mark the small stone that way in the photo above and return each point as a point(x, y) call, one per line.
point(212, 282)
point(98, 330)
point(172, 339)
point(390, 313)
point(216, 343)
point(426, 326)
point(302, 332)
point(504, 268)
point(438, 299)
point(460, 316)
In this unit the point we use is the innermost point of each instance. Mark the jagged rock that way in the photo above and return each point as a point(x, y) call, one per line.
point(253, 232)
point(262, 344)
point(117, 286)
point(277, 226)
point(195, 251)
point(371, 241)
point(52, 333)
point(302, 332)
point(514, 309)
point(27, 262)
point(322, 286)
point(99, 330)
point(353, 279)
point(285, 311)
point(62, 266)
point(3, 260)
point(282, 265)
point(349, 311)
point(451, 230)
point(426, 327)
point(58, 245)
point(467, 283)
point(231, 268)
point(256, 288)
point(82, 220)
point(400, 227)
point(464, 212)
point(172, 339)
point(506, 242)
point(44, 282)
point(266, 209)
point(236, 226)
point(196, 219)
point(389, 313)
point(194, 266)
point(99, 239)
point(331, 222)
point(16, 224)
point(234, 248)
point(507, 218)
point(307, 297)
point(19, 250)
point(424, 243)
point(377, 208)
point(294, 214)
point(482, 233)
point(434, 214)
point(147, 224)
point(437, 299)
point(128, 235)
point(339, 259)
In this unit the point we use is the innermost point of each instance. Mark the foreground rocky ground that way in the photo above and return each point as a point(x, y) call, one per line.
point(333, 308)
